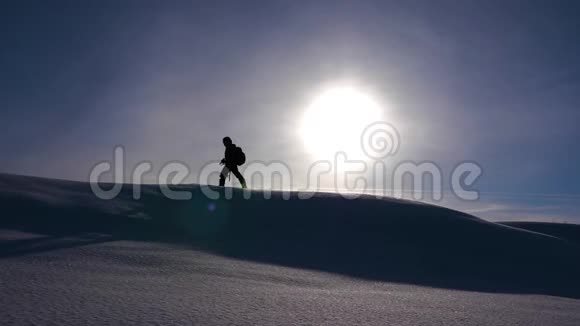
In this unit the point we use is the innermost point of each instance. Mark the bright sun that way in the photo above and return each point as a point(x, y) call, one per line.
point(335, 120)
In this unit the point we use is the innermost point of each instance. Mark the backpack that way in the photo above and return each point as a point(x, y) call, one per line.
point(239, 156)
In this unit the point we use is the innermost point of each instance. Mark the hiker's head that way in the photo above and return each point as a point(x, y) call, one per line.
point(227, 141)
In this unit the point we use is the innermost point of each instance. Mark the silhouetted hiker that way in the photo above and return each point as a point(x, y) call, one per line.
point(234, 156)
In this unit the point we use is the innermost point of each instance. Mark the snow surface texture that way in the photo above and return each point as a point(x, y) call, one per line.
point(67, 257)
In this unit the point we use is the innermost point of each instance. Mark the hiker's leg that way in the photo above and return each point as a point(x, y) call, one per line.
point(240, 177)
point(223, 175)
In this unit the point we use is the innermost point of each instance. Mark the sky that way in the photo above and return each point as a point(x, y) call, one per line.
point(493, 82)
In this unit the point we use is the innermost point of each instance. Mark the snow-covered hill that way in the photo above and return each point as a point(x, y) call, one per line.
point(69, 257)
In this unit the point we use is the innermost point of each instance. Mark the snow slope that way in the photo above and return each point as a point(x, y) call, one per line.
point(67, 257)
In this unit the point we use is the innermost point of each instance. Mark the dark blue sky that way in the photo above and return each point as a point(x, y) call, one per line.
point(496, 82)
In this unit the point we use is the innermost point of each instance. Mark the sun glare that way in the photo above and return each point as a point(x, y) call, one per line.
point(335, 120)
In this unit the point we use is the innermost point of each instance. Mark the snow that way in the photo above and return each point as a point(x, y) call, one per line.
point(67, 257)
